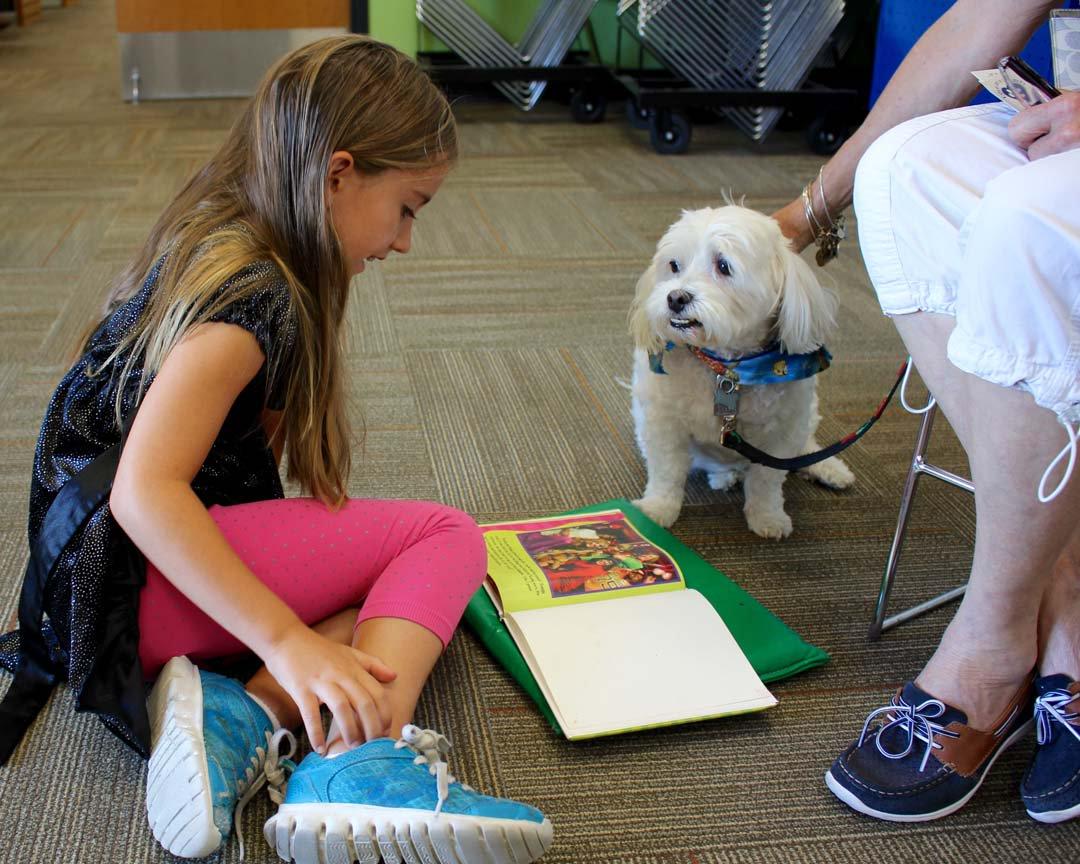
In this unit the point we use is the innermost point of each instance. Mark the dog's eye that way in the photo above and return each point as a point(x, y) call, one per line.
point(723, 266)
point(674, 266)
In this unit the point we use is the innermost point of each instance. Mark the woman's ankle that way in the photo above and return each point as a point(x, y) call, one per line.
point(1059, 617)
point(979, 672)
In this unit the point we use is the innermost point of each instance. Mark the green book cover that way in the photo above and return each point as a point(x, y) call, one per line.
point(580, 567)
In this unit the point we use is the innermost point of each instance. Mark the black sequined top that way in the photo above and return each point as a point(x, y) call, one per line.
point(92, 622)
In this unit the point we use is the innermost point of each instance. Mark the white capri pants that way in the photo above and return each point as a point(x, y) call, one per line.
point(954, 218)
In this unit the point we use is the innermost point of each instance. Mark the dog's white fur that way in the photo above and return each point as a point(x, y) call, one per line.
point(770, 293)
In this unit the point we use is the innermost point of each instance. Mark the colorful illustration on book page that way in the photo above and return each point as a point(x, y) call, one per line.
point(575, 556)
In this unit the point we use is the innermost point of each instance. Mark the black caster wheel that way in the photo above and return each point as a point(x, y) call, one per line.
point(825, 136)
point(587, 106)
point(637, 116)
point(669, 132)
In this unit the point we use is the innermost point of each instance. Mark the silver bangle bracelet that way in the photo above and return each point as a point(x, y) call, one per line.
point(827, 239)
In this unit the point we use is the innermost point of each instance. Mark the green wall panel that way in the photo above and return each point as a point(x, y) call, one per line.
point(394, 21)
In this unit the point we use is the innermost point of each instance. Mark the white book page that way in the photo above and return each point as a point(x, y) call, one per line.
point(640, 661)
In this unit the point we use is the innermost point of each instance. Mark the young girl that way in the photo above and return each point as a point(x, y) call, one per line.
point(220, 346)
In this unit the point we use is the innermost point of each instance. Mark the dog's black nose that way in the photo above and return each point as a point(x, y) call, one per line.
point(678, 300)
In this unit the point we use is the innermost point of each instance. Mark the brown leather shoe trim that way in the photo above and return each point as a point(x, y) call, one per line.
point(966, 753)
point(1073, 704)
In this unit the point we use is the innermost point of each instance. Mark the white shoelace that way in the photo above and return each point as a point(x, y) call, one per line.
point(1048, 710)
point(916, 721)
point(267, 768)
point(432, 749)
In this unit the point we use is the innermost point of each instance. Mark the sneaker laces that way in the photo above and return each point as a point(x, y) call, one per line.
point(432, 749)
point(267, 768)
point(1049, 708)
point(916, 720)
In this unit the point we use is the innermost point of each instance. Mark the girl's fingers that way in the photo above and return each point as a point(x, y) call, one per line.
point(368, 713)
point(372, 706)
point(379, 670)
point(340, 705)
point(380, 698)
point(308, 705)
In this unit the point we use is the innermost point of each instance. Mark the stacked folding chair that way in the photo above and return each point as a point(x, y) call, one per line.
point(545, 43)
point(738, 45)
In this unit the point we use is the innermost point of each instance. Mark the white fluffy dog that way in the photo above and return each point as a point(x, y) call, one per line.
point(726, 280)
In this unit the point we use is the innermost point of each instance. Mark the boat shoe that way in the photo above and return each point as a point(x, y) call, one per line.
point(1051, 787)
point(922, 761)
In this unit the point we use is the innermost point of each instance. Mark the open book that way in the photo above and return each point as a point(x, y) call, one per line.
point(605, 622)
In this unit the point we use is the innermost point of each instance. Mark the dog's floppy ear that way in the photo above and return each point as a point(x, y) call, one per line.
point(644, 335)
point(807, 310)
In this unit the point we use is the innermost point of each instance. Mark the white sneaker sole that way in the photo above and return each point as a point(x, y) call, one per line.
point(1052, 817)
point(345, 833)
point(178, 801)
point(854, 803)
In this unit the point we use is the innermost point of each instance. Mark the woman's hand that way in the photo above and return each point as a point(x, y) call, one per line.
point(793, 224)
point(1052, 127)
point(315, 671)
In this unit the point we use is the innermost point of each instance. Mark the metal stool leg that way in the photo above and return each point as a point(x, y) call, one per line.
point(918, 466)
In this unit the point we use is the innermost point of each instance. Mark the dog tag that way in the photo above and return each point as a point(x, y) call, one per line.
point(726, 400)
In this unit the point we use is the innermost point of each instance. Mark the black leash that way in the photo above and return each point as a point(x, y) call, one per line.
point(732, 440)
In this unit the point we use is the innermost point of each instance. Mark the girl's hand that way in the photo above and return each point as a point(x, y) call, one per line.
point(315, 671)
point(1052, 127)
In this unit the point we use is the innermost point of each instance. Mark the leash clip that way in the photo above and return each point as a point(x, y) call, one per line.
point(726, 403)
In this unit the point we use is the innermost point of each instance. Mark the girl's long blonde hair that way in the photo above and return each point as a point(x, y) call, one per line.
point(262, 197)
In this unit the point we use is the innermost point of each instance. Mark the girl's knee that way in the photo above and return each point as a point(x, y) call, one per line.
point(449, 518)
point(460, 529)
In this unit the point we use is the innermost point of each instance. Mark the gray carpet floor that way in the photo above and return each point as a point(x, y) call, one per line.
point(489, 369)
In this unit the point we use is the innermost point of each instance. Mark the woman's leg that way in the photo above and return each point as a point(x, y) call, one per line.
point(1050, 789)
point(975, 257)
point(974, 251)
point(1059, 615)
point(1011, 370)
point(991, 645)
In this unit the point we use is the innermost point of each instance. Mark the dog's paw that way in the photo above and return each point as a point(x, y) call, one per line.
point(723, 479)
point(770, 524)
point(831, 472)
point(662, 511)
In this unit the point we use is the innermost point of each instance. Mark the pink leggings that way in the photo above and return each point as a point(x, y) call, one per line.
point(399, 559)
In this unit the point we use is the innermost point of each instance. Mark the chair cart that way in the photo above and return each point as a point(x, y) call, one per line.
point(746, 59)
point(520, 72)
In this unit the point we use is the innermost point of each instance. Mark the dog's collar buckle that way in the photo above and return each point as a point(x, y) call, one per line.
point(726, 402)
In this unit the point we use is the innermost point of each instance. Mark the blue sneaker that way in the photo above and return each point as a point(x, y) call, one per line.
point(212, 749)
point(923, 761)
point(394, 801)
point(1051, 787)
